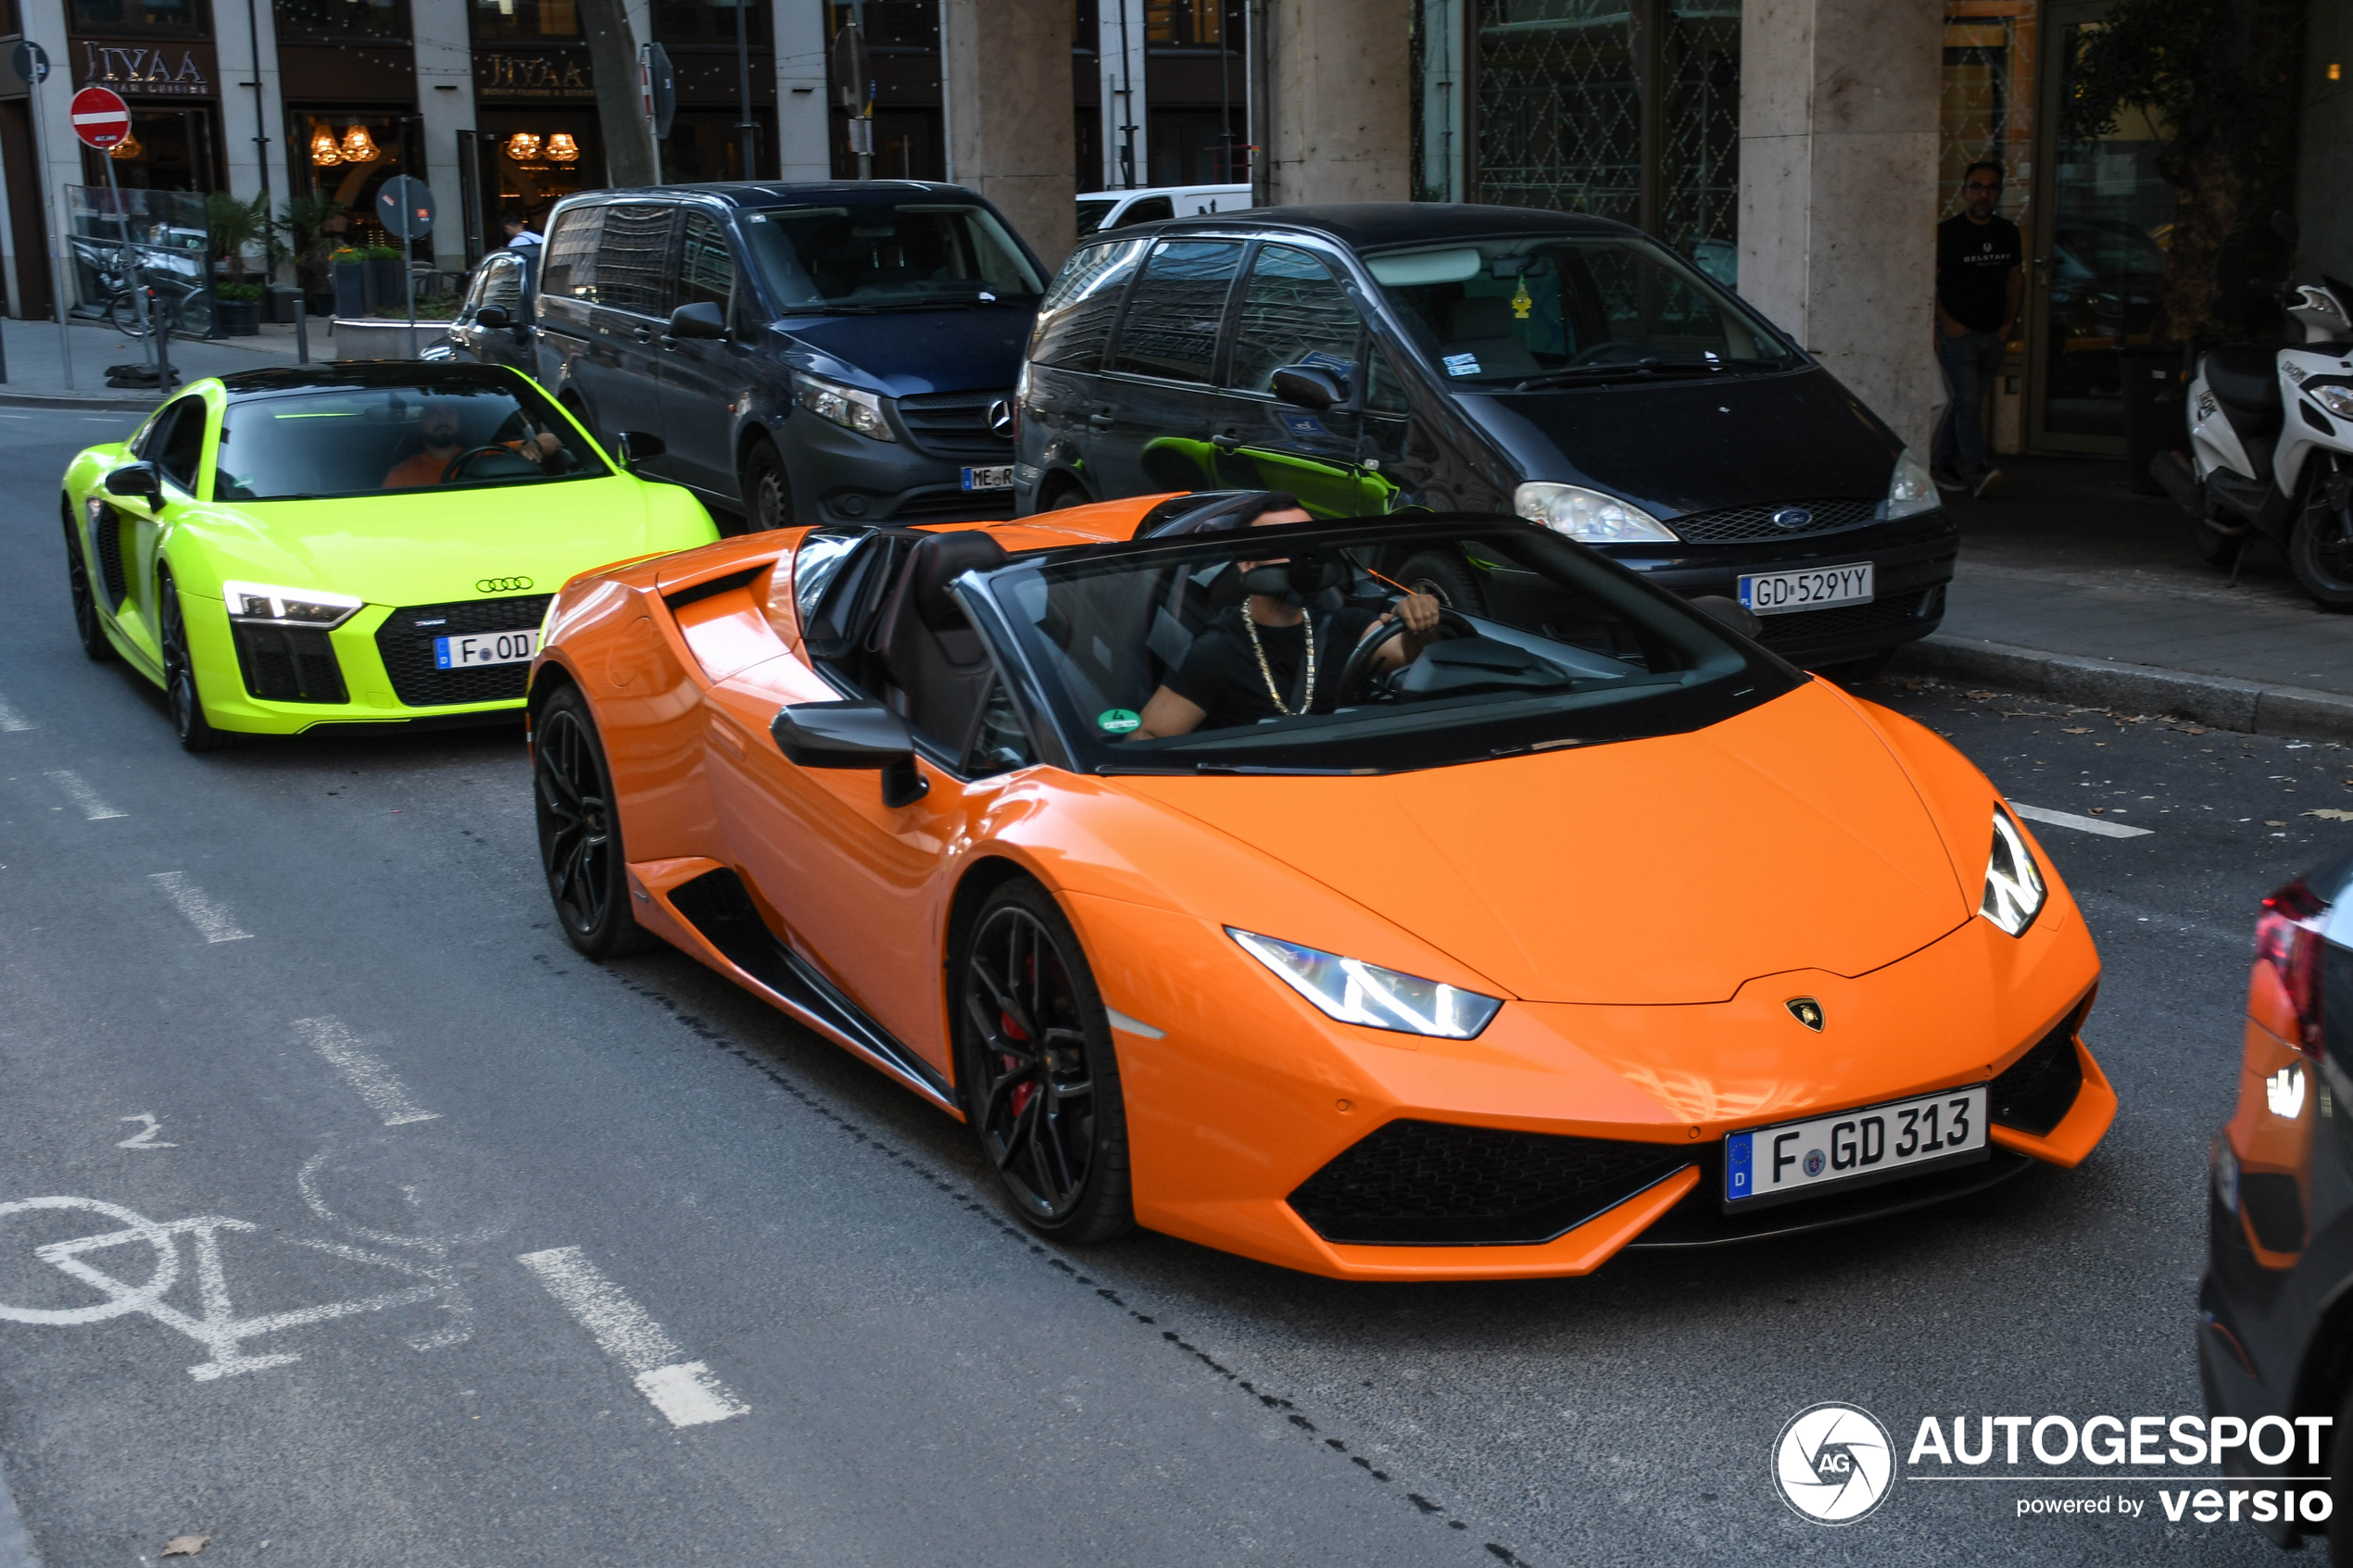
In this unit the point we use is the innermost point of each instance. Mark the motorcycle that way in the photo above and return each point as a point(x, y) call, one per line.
point(2272, 447)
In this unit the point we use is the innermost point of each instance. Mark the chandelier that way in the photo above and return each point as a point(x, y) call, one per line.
point(522, 145)
point(128, 147)
point(356, 147)
point(561, 148)
point(324, 151)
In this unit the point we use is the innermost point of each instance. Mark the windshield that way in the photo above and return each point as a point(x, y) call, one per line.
point(371, 440)
point(1571, 307)
point(1562, 649)
point(1091, 216)
point(888, 254)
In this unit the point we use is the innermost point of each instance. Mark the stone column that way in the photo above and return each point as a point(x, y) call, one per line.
point(1005, 69)
point(804, 119)
point(445, 106)
point(1341, 100)
point(1839, 124)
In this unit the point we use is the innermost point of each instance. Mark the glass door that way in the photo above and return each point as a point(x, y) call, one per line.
point(2099, 260)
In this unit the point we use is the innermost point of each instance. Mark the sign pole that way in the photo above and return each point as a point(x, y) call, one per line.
point(135, 277)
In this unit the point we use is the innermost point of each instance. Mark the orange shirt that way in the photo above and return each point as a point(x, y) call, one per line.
point(421, 470)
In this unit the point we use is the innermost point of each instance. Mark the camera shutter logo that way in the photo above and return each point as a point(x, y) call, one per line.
point(502, 585)
point(1834, 1463)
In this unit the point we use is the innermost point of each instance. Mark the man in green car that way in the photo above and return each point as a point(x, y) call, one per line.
point(444, 438)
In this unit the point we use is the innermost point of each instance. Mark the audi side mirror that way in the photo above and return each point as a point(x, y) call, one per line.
point(1309, 386)
point(139, 480)
point(700, 319)
point(1731, 612)
point(636, 446)
point(853, 734)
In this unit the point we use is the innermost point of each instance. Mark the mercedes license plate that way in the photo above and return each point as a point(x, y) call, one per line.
point(1902, 1138)
point(1779, 593)
point(484, 648)
point(1001, 478)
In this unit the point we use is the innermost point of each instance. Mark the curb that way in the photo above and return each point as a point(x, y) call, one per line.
point(101, 402)
point(2218, 701)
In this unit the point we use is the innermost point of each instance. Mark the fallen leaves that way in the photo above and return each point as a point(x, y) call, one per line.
point(2331, 814)
point(2269, 824)
point(2099, 810)
point(1976, 696)
point(185, 1546)
point(2078, 730)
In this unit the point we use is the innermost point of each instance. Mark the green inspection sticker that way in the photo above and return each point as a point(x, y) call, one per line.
point(1117, 721)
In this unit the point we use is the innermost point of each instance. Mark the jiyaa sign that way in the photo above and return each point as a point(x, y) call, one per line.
point(146, 70)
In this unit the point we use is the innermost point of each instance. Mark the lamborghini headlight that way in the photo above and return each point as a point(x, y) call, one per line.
point(1910, 490)
point(258, 602)
point(2014, 889)
point(1588, 516)
point(2337, 400)
point(848, 407)
point(1356, 991)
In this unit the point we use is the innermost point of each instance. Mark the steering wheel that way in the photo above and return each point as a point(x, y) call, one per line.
point(457, 464)
point(1451, 623)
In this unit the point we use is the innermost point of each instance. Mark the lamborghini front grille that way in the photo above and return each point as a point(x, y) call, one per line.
point(1432, 1184)
point(2035, 1093)
point(405, 641)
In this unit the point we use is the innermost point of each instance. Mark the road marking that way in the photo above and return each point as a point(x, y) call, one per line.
point(11, 721)
point(685, 1391)
point(76, 788)
point(145, 1136)
point(204, 912)
point(219, 1330)
point(373, 1082)
point(2080, 824)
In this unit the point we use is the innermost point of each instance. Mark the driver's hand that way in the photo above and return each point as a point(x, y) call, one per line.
point(1419, 612)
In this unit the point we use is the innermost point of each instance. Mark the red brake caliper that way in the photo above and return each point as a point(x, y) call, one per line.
point(1023, 1093)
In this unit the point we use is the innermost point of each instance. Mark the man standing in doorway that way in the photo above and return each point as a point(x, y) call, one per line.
point(1979, 284)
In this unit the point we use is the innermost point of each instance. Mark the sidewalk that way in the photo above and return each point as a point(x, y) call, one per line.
point(2071, 587)
point(36, 370)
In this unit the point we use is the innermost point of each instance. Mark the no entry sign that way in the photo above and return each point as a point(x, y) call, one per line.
point(100, 117)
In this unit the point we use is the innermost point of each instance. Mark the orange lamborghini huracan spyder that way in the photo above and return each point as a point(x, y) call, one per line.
point(1408, 898)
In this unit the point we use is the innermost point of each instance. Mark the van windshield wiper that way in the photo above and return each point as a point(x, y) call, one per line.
point(1643, 370)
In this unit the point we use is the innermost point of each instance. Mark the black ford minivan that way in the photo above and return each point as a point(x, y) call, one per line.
point(800, 353)
point(1378, 357)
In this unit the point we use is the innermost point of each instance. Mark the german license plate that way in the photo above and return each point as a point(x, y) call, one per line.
point(1902, 1138)
point(1779, 593)
point(1001, 478)
point(484, 648)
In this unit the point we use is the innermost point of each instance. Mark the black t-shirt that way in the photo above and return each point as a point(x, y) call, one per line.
point(1221, 675)
point(1973, 262)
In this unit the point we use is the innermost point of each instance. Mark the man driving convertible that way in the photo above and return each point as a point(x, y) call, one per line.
point(1272, 656)
point(442, 430)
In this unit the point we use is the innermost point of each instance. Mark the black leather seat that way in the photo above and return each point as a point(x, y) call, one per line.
point(934, 657)
point(2246, 377)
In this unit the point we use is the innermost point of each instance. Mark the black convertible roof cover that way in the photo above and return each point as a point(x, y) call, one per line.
point(366, 374)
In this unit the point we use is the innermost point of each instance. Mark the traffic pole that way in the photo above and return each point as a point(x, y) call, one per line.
point(136, 281)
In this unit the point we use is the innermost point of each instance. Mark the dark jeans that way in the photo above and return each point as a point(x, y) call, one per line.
point(1970, 363)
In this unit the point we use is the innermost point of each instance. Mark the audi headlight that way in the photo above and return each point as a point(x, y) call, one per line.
point(1588, 516)
point(259, 603)
point(848, 407)
point(2337, 400)
point(1356, 991)
point(2014, 888)
point(1910, 491)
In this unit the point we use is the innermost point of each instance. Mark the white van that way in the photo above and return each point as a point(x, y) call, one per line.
point(1099, 210)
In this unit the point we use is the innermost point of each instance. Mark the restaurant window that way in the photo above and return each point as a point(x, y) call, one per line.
point(526, 19)
point(337, 22)
point(349, 154)
point(712, 21)
point(890, 24)
point(1191, 24)
point(142, 19)
point(169, 149)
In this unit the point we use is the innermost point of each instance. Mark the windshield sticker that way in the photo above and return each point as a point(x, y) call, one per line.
point(1462, 364)
point(1117, 721)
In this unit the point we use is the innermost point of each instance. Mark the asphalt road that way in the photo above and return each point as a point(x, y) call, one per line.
point(402, 1235)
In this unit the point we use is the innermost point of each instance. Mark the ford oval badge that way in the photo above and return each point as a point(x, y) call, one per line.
point(1792, 518)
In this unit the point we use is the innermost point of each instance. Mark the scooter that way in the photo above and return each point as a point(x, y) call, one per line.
point(2272, 447)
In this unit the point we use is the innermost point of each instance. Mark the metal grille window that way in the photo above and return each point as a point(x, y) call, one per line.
point(1293, 313)
point(633, 257)
point(1173, 317)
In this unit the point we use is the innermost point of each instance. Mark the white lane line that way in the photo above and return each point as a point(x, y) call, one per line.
point(2080, 824)
point(367, 1074)
point(685, 1391)
point(11, 721)
point(204, 912)
point(77, 789)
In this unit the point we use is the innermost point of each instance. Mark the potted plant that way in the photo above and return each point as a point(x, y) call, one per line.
point(233, 225)
point(350, 275)
point(304, 221)
point(387, 281)
point(236, 309)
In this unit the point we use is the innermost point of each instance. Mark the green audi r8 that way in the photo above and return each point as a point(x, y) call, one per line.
point(349, 543)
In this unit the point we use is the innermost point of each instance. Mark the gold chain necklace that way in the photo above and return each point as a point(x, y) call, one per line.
point(1266, 671)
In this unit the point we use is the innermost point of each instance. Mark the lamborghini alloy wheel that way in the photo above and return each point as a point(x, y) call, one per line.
point(1040, 1077)
point(579, 833)
point(86, 624)
point(179, 688)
